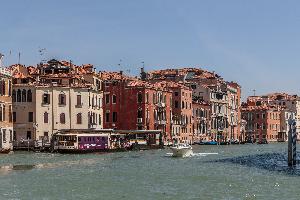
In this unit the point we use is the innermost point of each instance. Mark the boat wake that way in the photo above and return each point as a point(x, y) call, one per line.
point(194, 154)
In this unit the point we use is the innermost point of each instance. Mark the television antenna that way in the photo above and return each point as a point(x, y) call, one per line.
point(1, 59)
point(42, 52)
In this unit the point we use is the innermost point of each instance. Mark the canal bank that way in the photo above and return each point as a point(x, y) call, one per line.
point(149, 175)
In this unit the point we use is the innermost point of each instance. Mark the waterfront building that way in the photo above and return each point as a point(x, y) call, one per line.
point(290, 104)
point(201, 125)
point(55, 96)
point(6, 126)
point(222, 96)
point(133, 104)
point(263, 123)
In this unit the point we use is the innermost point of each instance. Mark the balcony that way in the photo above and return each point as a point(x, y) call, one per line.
point(161, 105)
point(160, 122)
point(139, 120)
point(92, 125)
point(79, 105)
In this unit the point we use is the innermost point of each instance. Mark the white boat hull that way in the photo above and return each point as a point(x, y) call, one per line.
point(182, 152)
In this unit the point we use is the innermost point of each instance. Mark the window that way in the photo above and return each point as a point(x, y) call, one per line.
point(147, 97)
point(46, 116)
point(46, 98)
point(15, 136)
point(62, 99)
point(176, 94)
point(176, 104)
point(28, 135)
point(107, 117)
point(99, 118)
point(24, 95)
point(78, 103)
point(62, 118)
point(4, 112)
point(14, 96)
point(114, 117)
point(29, 96)
point(100, 102)
point(46, 134)
point(140, 113)
point(4, 135)
point(79, 118)
point(1, 114)
point(14, 116)
point(257, 116)
point(10, 136)
point(30, 117)
point(182, 106)
point(140, 98)
point(19, 93)
point(107, 98)
point(10, 113)
point(114, 98)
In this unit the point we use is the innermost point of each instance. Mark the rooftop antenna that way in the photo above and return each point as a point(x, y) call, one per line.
point(120, 64)
point(19, 58)
point(1, 59)
point(254, 92)
point(42, 52)
point(143, 63)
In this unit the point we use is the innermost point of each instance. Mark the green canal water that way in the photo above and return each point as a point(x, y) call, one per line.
point(237, 172)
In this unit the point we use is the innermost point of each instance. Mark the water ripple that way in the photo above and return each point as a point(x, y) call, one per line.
point(275, 162)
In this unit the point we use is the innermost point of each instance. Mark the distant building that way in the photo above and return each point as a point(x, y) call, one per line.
point(288, 104)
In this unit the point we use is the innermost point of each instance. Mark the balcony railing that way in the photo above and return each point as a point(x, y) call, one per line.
point(139, 120)
point(160, 122)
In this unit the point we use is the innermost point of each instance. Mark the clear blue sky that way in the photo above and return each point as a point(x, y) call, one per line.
point(256, 43)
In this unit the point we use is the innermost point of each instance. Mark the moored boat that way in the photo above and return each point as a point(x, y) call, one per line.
point(182, 150)
point(5, 151)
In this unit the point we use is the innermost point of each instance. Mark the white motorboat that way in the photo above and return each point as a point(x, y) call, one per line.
point(182, 150)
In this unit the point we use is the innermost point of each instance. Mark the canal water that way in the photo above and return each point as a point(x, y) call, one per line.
point(238, 172)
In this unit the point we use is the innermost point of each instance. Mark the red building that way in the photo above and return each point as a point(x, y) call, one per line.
point(263, 123)
point(132, 104)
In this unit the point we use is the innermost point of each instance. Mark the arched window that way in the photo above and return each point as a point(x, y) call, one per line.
point(140, 98)
point(24, 95)
point(14, 96)
point(19, 95)
point(62, 99)
point(62, 118)
point(29, 96)
point(46, 117)
point(79, 118)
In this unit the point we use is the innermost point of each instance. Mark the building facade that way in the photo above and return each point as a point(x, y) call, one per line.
point(54, 97)
point(6, 126)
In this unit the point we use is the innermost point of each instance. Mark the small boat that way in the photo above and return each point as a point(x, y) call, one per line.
point(5, 151)
point(211, 143)
point(182, 150)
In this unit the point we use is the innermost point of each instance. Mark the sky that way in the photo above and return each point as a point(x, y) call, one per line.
point(255, 43)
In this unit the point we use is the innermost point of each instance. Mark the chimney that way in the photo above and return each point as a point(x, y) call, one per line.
point(121, 72)
point(143, 74)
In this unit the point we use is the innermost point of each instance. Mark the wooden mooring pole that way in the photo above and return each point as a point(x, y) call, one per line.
point(292, 139)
